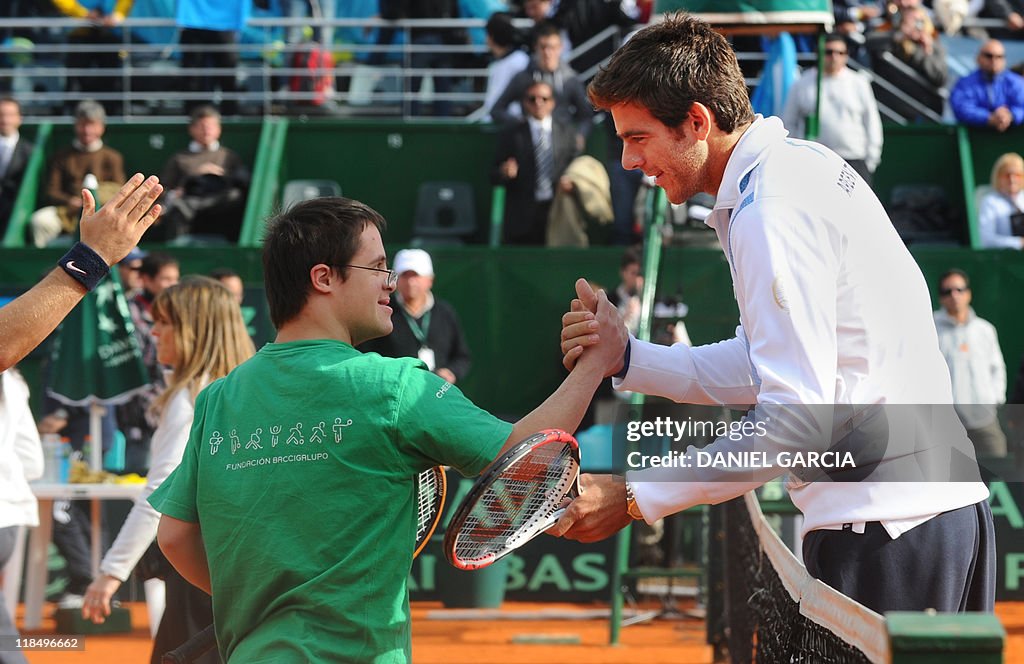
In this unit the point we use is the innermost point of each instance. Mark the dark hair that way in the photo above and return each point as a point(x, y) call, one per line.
point(204, 111)
point(223, 273)
point(502, 32)
point(955, 272)
point(629, 257)
point(834, 37)
point(544, 29)
point(154, 262)
point(321, 230)
point(534, 84)
point(668, 66)
point(10, 100)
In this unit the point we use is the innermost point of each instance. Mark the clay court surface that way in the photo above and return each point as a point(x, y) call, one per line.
point(439, 638)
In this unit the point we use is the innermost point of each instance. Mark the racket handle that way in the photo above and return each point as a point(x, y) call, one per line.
point(192, 649)
point(553, 518)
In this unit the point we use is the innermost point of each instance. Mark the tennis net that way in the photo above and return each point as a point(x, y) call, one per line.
point(776, 612)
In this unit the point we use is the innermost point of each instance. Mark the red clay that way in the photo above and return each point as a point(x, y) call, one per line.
point(436, 641)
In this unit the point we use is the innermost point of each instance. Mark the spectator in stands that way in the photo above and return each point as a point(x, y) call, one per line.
point(86, 155)
point(424, 326)
point(531, 158)
point(625, 188)
point(1001, 211)
point(105, 15)
point(230, 280)
point(990, 95)
point(128, 270)
point(158, 272)
point(853, 18)
point(14, 154)
point(571, 103)
point(583, 20)
point(304, 8)
point(210, 24)
point(626, 296)
point(951, 14)
point(206, 184)
point(433, 39)
point(976, 366)
point(503, 41)
point(913, 43)
point(848, 122)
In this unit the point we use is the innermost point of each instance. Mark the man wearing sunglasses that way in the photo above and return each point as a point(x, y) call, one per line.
point(849, 120)
point(532, 155)
point(976, 366)
point(991, 95)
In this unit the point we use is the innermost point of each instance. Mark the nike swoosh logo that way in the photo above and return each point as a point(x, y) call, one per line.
point(71, 266)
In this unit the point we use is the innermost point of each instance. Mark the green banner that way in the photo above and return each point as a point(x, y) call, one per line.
point(96, 358)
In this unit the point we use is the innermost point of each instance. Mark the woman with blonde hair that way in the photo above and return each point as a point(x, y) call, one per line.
point(999, 207)
point(201, 337)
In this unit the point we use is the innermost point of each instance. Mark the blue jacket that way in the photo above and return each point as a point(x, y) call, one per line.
point(973, 98)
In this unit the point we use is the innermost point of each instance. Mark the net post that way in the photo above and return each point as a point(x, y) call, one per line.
point(945, 638)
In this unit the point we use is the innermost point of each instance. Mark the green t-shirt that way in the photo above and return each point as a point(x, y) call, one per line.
point(299, 470)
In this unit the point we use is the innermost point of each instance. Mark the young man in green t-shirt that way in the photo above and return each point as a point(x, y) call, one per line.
point(294, 502)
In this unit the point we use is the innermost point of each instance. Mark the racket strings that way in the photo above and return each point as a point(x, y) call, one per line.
point(519, 503)
point(428, 497)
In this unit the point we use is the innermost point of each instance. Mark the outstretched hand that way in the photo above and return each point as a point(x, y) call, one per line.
point(592, 319)
point(113, 230)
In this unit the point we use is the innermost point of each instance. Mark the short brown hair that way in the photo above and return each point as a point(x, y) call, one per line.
point(320, 230)
point(668, 66)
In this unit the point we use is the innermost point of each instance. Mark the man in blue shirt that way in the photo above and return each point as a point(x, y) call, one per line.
point(214, 24)
point(989, 96)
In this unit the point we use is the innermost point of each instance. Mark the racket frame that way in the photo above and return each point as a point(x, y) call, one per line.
point(442, 483)
point(483, 485)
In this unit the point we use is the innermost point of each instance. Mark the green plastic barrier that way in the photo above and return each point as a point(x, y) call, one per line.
point(266, 179)
point(34, 176)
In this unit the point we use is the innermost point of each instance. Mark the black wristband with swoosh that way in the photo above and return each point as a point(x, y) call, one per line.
point(84, 265)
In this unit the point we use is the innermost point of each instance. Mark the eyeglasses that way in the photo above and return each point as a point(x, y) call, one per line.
point(946, 292)
point(392, 275)
point(535, 99)
point(993, 56)
point(834, 51)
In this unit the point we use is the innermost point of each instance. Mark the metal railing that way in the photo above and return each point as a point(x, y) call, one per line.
point(150, 81)
point(150, 84)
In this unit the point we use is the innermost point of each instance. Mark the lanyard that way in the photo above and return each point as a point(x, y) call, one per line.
point(419, 329)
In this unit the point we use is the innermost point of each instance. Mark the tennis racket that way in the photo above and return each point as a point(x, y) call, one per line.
point(518, 498)
point(431, 487)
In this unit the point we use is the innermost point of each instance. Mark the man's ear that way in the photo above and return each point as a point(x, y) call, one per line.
point(700, 120)
point(323, 277)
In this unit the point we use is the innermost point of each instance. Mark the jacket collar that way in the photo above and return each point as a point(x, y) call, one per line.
point(760, 135)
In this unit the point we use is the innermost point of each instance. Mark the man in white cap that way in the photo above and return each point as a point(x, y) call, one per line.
point(424, 326)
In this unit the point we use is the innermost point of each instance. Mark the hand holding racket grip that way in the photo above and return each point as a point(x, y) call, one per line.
point(518, 498)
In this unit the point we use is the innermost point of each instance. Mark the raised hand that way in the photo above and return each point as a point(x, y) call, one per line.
point(118, 226)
